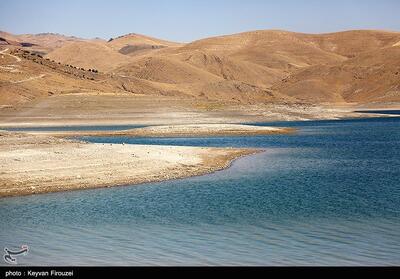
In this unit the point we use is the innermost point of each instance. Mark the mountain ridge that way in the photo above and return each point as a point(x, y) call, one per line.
point(261, 66)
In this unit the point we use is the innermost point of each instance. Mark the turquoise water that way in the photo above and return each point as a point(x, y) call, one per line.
point(328, 195)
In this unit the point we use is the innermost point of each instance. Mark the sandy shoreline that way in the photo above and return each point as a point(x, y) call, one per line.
point(96, 108)
point(11, 119)
point(192, 130)
point(33, 164)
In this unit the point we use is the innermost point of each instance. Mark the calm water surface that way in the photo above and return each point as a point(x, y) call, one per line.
point(394, 112)
point(329, 195)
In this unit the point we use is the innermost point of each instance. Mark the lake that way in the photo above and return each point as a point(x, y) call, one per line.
point(327, 195)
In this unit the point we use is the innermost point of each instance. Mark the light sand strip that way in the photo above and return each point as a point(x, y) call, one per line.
point(194, 130)
point(31, 164)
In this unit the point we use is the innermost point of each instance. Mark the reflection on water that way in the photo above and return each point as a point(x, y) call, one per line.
point(328, 195)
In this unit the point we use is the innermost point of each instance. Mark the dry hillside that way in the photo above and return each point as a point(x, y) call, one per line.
point(260, 67)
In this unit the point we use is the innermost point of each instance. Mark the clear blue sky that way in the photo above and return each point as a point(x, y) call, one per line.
point(187, 20)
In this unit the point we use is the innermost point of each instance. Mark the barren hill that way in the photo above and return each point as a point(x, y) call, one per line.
point(322, 68)
point(106, 56)
point(134, 44)
point(274, 49)
point(87, 55)
point(352, 43)
point(372, 76)
point(251, 68)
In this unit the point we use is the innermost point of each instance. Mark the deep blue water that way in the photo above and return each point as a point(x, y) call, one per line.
point(328, 195)
point(394, 112)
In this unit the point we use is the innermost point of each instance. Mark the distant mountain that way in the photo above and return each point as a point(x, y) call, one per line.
point(106, 56)
point(44, 42)
point(139, 40)
point(266, 66)
point(352, 66)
